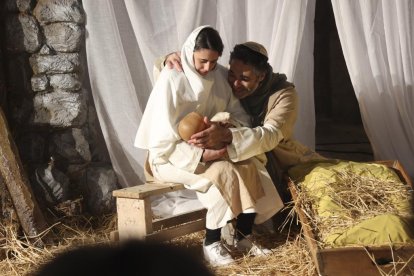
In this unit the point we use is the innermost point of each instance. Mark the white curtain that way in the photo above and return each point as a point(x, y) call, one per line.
point(377, 38)
point(125, 37)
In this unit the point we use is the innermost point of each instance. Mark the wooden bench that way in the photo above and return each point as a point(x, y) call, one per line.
point(136, 220)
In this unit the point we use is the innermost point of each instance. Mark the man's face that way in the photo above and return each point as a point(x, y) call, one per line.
point(205, 60)
point(243, 79)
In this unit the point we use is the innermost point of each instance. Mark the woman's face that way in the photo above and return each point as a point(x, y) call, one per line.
point(205, 60)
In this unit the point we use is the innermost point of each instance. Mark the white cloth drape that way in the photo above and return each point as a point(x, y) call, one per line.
point(120, 87)
point(377, 38)
point(124, 38)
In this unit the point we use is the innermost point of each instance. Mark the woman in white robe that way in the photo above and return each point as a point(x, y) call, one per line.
point(201, 87)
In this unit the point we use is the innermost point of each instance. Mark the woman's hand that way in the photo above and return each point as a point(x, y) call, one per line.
point(211, 155)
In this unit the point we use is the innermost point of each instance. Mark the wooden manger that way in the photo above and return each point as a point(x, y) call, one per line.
point(357, 260)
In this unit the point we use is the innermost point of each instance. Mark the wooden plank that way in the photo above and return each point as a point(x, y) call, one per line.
point(307, 229)
point(178, 231)
point(134, 218)
point(398, 169)
point(355, 260)
point(15, 178)
point(179, 219)
point(402, 173)
point(147, 189)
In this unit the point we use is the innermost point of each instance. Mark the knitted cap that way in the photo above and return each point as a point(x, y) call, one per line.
point(254, 46)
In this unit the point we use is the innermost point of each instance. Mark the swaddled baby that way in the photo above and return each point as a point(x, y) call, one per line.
point(193, 122)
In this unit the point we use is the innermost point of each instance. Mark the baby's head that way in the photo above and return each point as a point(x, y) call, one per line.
point(192, 123)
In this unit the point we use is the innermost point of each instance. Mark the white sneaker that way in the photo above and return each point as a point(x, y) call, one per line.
point(247, 246)
point(216, 254)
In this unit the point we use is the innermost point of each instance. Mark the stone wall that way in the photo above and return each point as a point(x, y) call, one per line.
point(49, 105)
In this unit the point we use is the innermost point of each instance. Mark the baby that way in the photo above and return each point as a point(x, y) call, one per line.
point(193, 122)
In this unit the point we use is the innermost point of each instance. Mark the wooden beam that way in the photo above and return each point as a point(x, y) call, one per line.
point(168, 234)
point(14, 176)
point(179, 219)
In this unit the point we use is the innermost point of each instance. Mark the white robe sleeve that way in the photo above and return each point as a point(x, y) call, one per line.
point(249, 142)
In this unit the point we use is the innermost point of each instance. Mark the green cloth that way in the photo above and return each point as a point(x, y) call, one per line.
point(380, 230)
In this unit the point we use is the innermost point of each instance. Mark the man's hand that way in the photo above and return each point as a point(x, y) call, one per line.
point(211, 155)
point(173, 60)
point(216, 136)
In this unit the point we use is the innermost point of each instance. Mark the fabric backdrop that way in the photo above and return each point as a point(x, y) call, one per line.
point(377, 39)
point(123, 38)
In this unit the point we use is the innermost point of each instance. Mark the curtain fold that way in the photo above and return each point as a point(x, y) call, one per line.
point(125, 37)
point(377, 38)
point(119, 86)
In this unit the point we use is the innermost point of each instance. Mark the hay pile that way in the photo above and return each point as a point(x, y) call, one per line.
point(21, 255)
point(358, 196)
point(289, 257)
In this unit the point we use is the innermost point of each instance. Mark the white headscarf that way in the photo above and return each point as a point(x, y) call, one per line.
point(198, 83)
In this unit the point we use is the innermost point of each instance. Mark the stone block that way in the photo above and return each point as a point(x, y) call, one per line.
point(101, 181)
point(59, 109)
point(40, 82)
point(52, 64)
point(45, 50)
point(63, 37)
point(71, 145)
point(65, 81)
point(49, 11)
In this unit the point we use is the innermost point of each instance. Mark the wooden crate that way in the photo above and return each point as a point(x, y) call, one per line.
point(355, 260)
